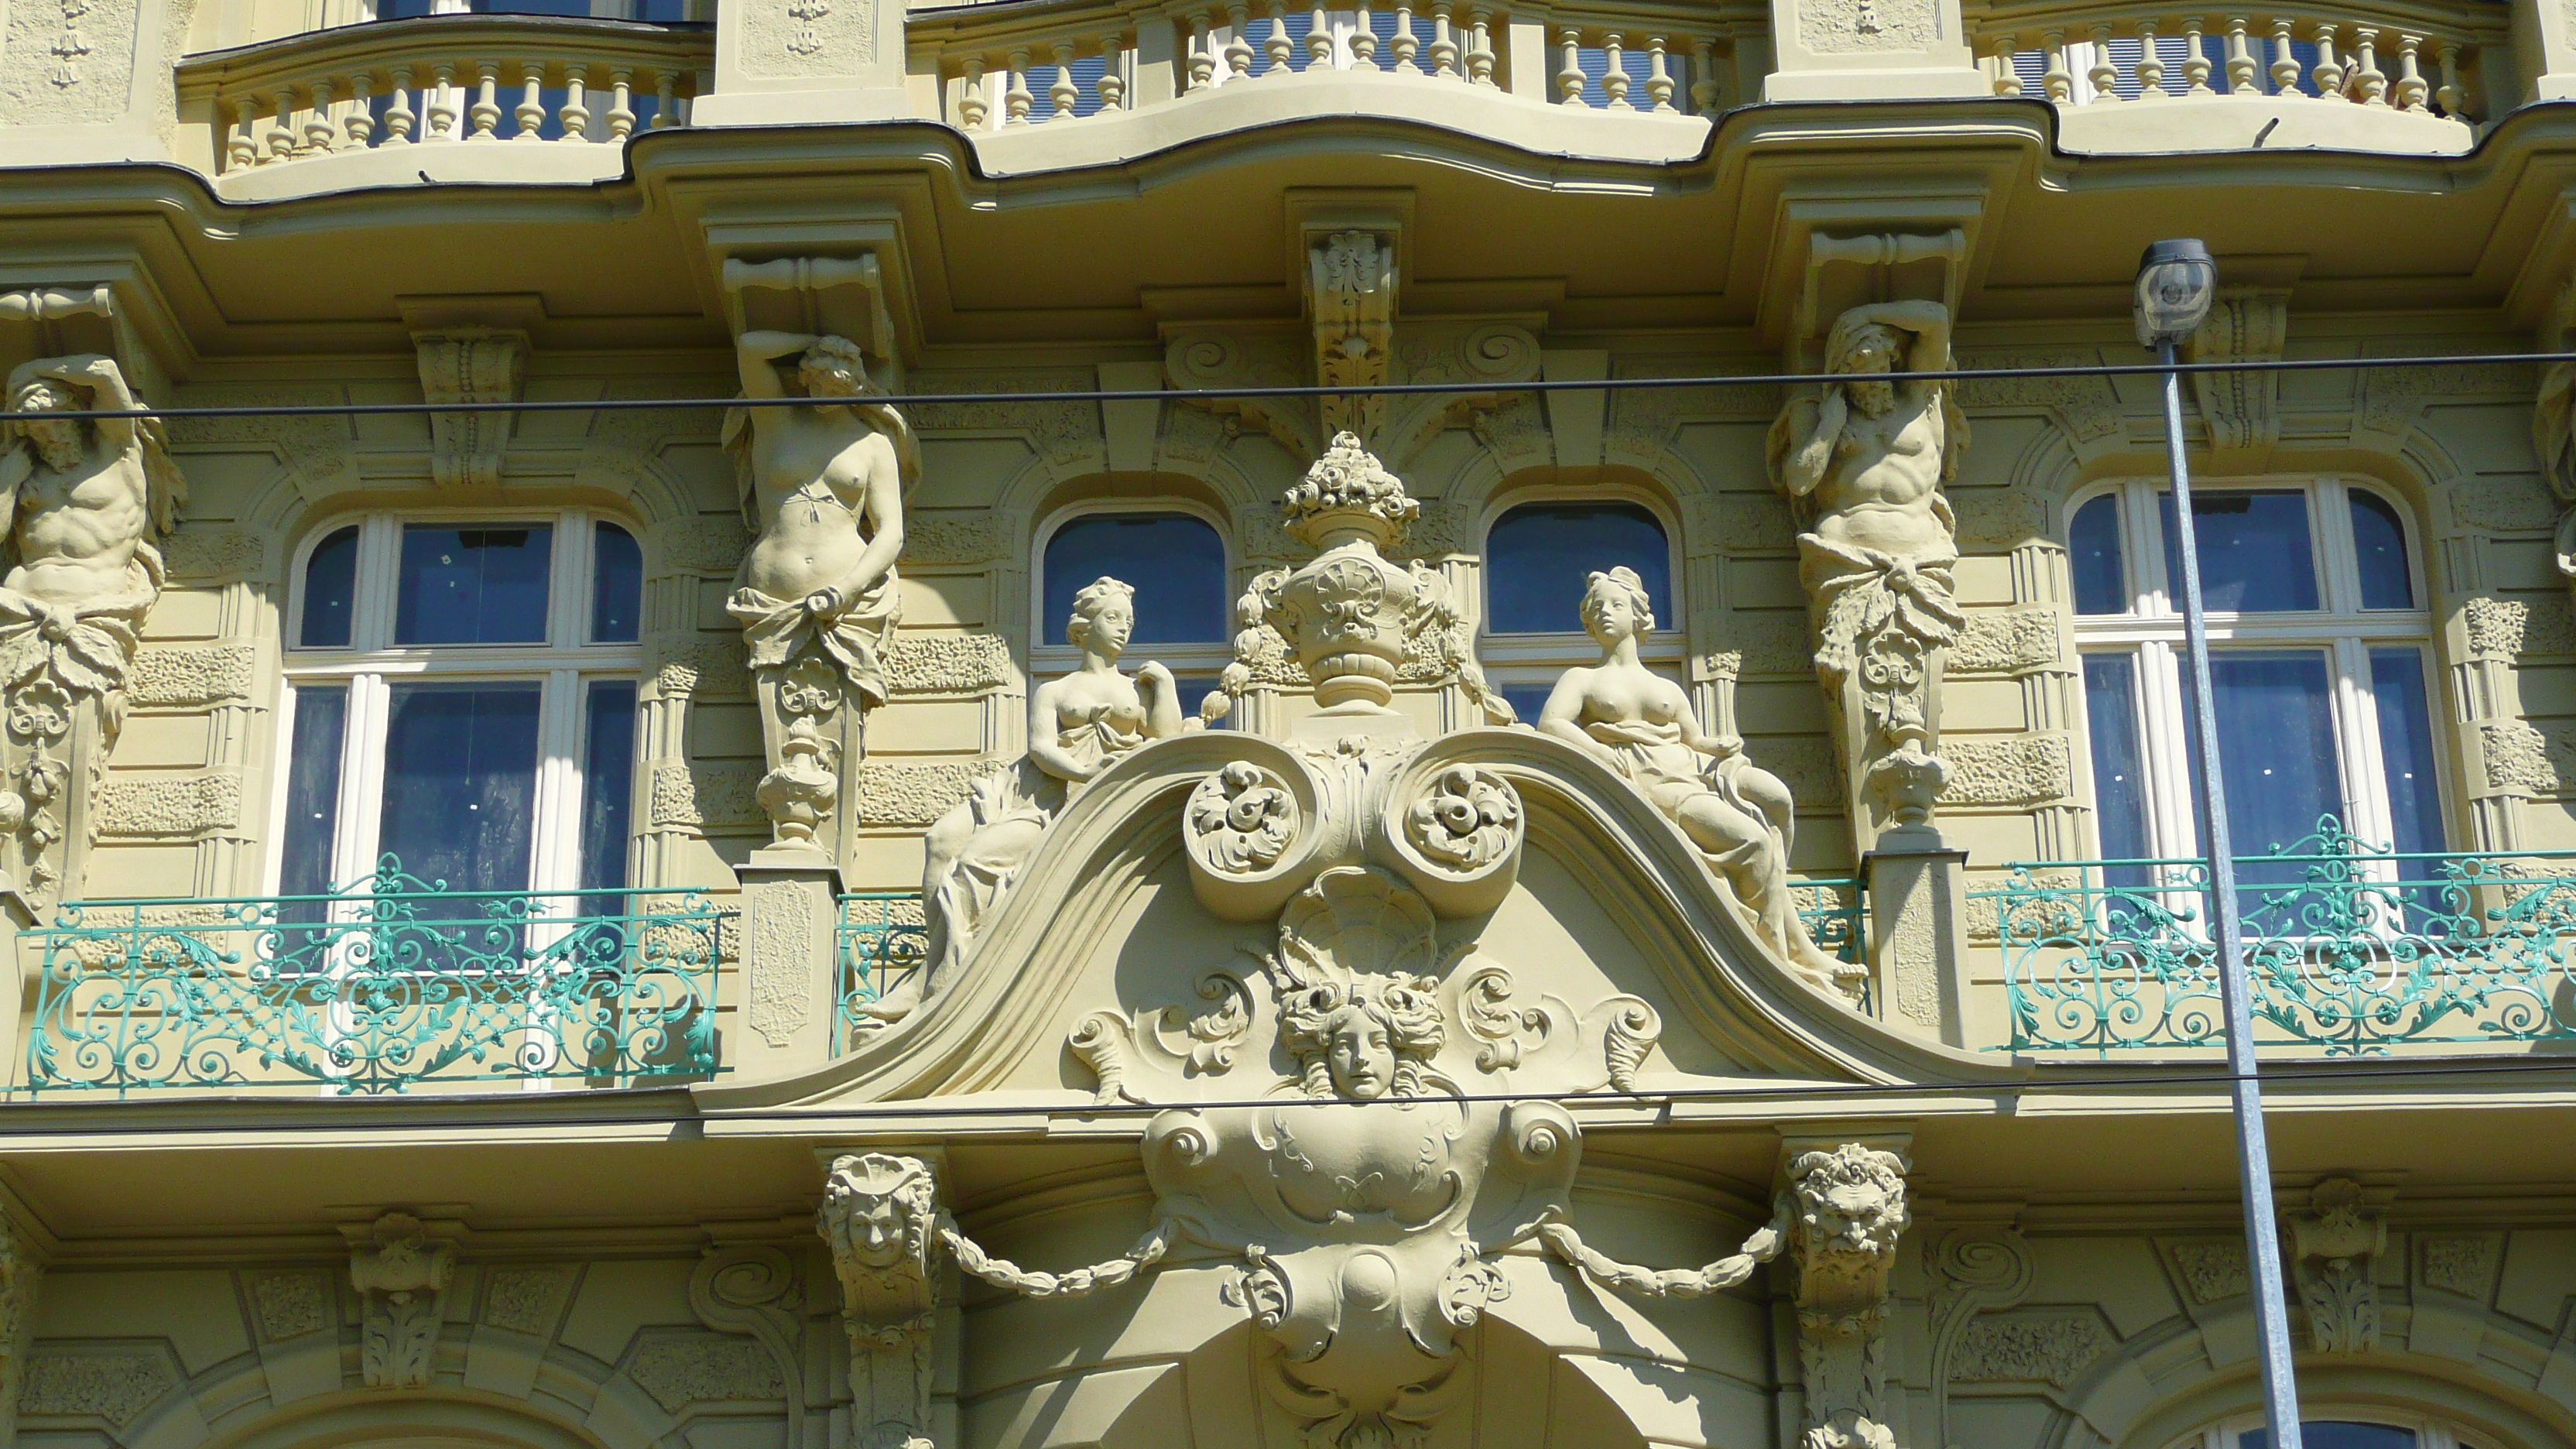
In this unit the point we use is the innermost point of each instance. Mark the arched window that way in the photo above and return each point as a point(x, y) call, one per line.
point(2320, 654)
point(460, 694)
point(1175, 560)
point(1537, 556)
point(2339, 1429)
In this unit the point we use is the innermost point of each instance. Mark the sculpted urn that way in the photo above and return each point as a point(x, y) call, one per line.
point(1348, 610)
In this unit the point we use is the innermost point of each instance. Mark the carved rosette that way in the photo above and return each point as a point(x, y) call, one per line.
point(1465, 818)
point(1240, 820)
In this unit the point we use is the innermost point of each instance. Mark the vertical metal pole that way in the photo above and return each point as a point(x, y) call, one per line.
point(2253, 1156)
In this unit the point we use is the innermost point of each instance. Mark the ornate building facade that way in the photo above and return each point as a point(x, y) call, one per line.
point(803, 724)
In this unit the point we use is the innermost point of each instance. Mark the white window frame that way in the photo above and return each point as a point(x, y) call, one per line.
point(1051, 658)
point(2429, 1433)
point(1519, 661)
point(2152, 632)
point(563, 665)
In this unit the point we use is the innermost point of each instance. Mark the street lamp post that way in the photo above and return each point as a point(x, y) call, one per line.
point(2177, 280)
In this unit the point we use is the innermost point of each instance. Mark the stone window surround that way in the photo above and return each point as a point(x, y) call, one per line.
point(1521, 661)
point(2429, 1433)
point(565, 665)
point(2154, 634)
point(1050, 656)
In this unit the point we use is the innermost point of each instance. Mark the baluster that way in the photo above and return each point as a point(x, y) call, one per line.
point(1614, 76)
point(1016, 100)
point(1319, 40)
point(2058, 81)
point(530, 113)
point(487, 101)
point(1703, 76)
point(1569, 79)
point(2104, 75)
point(241, 145)
point(2449, 96)
point(1405, 45)
point(2240, 61)
point(1480, 45)
point(1444, 44)
point(1201, 59)
point(2007, 80)
point(2327, 72)
point(1363, 38)
point(1064, 94)
point(576, 112)
point(2151, 63)
point(2411, 89)
point(361, 120)
point(1113, 72)
point(2369, 86)
point(321, 129)
point(399, 117)
point(2285, 63)
point(621, 103)
point(1277, 45)
point(443, 114)
point(972, 109)
point(2195, 61)
point(281, 131)
point(1238, 45)
point(1659, 83)
point(666, 101)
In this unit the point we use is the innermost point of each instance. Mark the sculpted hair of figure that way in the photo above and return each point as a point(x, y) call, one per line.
point(1623, 579)
point(1088, 603)
point(1414, 1030)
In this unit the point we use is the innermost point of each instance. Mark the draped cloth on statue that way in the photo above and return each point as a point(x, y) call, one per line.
point(781, 631)
point(1654, 758)
point(1858, 592)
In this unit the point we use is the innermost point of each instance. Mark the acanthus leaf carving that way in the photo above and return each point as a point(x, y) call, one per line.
point(469, 365)
point(1350, 297)
point(2335, 1245)
point(2241, 408)
point(399, 1275)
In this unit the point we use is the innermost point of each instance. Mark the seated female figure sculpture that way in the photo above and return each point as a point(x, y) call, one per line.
point(1078, 726)
point(1641, 725)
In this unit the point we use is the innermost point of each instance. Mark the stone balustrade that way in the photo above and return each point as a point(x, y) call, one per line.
point(2413, 59)
point(462, 79)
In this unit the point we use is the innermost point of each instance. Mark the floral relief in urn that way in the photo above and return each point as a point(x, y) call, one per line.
point(1348, 611)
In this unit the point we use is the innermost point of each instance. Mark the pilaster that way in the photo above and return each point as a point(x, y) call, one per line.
point(1918, 937)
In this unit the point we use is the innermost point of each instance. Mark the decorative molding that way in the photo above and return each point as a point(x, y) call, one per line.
point(469, 365)
point(1350, 302)
point(1974, 1270)
point(2241, 409)
point(680, 1369)
point(2003, 770)
point(164, 807)
point(191, 676)
point(2006, 642)
point(2086, 407)
point(753, 1290)
point(290, 1304)
point(198, 554)
point(2335, 1243)
point(2212, 1270)
point(400, 1277)
point(2031, 1347)
point(116, 1387)
point(2392, 397)
point(525, 1300)
point(2509, 628)
point(923, 662)
point(1066, 434)
point(318, 449)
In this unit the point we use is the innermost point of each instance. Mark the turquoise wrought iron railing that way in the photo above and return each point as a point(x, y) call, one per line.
point(1834, 913)
point(386, 984)
point(2350, 947)
point(881, 940)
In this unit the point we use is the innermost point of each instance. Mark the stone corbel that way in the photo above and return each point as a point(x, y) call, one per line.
point(2335, 1244)
point(1350, 302)
point(880, 1217)
point(469, 365)
point(839, 297)
point(399, 1275)
point(2241, 409)
point(20, 1276)
point(1845, 1208)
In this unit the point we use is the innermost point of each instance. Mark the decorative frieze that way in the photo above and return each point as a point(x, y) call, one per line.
point(290, 1304)
point(2392, 397)
point(197, 554)
point(2524, 759)
point(2462, 1263)
point(524, 1300)
point(191, 676)
point(166, 807)
point(2501, 504)
point(709, 545)
point(2032, 1347)
point(2006, 642)
point(971, 540)
point(2007, 770)
point(1066, 434)
point(680, 1369)
point(117, 1387)
point(2086, 407)
point(2508, 628)
point(2212, 1270)
point(701, 664)
point(921, 662)
point(316, 448)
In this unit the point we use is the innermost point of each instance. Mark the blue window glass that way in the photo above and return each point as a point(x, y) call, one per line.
point(1526, 700)
point(414, 9)
point(607, 790)
point(2276, 744)
point(2379, 547)
point(2093, 558)
point(330, 591)
point(313, 790)
point(1176, 563)
point(2119, 776)
point(461, 783)
point(2406, 749)
point(616, 585)
point(2254, 551)
point(1538, 555)
point(2335, 1434)
point(473, 585)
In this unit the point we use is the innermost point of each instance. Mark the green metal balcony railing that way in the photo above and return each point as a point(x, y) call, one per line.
point(386, 984)
point(881, 940)
point(2350, 947)
point(1835, 912)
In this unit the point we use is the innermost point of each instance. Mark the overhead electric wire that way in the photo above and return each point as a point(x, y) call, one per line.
point(1302, 390)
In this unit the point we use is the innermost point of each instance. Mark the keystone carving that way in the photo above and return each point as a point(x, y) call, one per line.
point(2334, 1247)
point(1350, 293)
point(82, 503)
point(1863, 460)
point(469, 365)
point(399, 1278)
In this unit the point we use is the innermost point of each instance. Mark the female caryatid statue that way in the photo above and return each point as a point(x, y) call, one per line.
point(1641, 724)
point(1079, 725)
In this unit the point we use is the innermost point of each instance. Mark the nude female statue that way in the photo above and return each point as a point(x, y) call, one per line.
point(1641, 725)
point(1079, 725)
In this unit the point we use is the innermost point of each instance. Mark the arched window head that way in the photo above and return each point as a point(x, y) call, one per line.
point(1176, 562)
point(2340, 1429)
point(1538, 555)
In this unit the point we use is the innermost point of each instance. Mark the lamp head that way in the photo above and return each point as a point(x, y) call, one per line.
point(2177, 282)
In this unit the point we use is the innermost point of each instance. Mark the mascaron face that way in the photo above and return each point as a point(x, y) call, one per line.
point(877, 1232)
point(1360, 1055)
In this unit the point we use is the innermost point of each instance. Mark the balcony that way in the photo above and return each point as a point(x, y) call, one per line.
point(389, 984)
point(880, 940)
point(406, 100)
point(2391, 77)
point(2351, 949)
